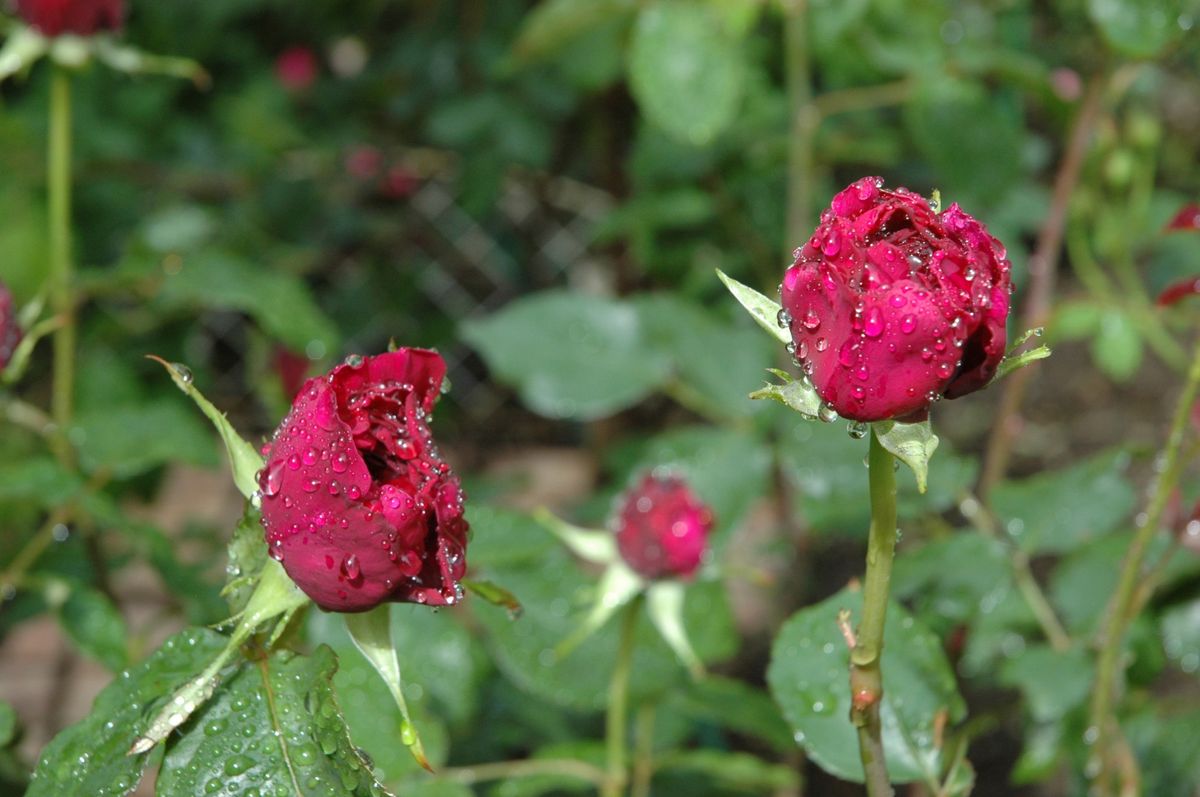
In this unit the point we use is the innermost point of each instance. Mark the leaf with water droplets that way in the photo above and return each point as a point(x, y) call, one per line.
point(761, 309)
point(247, 553)
point(911, 443)
point(809, 676)
point(243, 459)
point(276, 727)
point(1017, 361)
point(797, 394)
point(90, 756)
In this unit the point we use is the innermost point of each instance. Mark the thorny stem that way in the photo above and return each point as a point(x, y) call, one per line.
point(1102, 726)
point(1042, 270)
point(618, 704)
point(866, 676)
point(62, 302)
point(1035, 598)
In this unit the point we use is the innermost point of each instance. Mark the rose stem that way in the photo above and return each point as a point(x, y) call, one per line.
point(1042, 268)
point(618, 704)
point(1118, 614)
point(866, 678)
point(58, 168)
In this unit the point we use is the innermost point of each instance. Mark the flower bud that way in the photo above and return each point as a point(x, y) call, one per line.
point(357, 503)
point(10, 333)
point(892, 305)
point(662, 528)
point(80, 17)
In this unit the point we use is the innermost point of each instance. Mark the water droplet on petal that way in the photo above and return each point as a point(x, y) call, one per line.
point(873, 322)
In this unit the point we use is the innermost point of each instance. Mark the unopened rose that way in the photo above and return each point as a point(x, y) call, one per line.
point(10, 333)
point(662, 528)
point(357, 504)
point(893, 306)
point(80, 17)
point(296, 68)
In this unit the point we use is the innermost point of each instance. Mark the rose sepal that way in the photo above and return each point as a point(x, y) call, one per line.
point(25, 46)
point(911, 443)
point(664, 603)
point(275, 595)
point(762, 309)
point(371, 632)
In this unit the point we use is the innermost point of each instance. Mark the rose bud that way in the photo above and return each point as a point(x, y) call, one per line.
point(357, 504)
point(662, 528)
point(10, 333)
point(80, 17)
point(1188, 218)
point(892, 305)
point(296, 68)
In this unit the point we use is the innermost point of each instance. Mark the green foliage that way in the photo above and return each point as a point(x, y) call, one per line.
point(809, 677)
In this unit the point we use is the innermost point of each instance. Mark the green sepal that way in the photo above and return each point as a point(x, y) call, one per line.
point(495, 595)
point(617, 587)
point(664, 602)
point(371, 632)
point(760, 308)
point(243, 459)
point(594, 545)
point(797, 394)
point(911, 443)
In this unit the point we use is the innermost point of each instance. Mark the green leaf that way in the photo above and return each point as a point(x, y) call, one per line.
point(1053, 683)
point(1019, 361)
point(94, 624)
point(247, 553)
point(8, 723)
point(764, 311)
point(1181, 635)
point(736, 705)
point(1056, 511)
point(244, 461)
point(131, 439)
point(911, 443)
point(1117, 346)
point(291, 737)
point(796, 394)
point(685, 70)
point(556, 596)
point(503, 537)
point(90, 756)
point(570, 355)
point(1137, 28)
point(731, 770)
point(951, 581)
point(809, 676)
point(495, 595)
point(554, 25)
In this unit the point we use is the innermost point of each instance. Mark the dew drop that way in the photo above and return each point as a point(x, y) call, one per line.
point(908, 324)
point(873, 322)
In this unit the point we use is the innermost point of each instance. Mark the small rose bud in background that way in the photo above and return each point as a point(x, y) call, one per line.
point(662, 528)
point(364, 162)
point(10, 333)
point(892, 305)
point(399, 182)
point(1188, 218)
point(358, 505)
point(296, 68)
point(80, 17)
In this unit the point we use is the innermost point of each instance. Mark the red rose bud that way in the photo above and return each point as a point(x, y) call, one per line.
point(1188, 218)
point(81, 17)
point(296, 68)
point(10, 333)
point(662, 528)
point(892, 306)
point(1178, 290)
point(364, 162)
point(357, 503)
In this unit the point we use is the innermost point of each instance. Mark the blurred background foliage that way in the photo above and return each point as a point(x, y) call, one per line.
point(542, 191)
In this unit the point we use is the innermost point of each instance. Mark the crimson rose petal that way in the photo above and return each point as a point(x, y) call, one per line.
point(892, 306)
point(357, 503)
point(662, 528)
point(81, 17)
point(10, 333)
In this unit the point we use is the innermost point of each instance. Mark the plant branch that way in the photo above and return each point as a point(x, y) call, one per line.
point(643, 762)
point(58, 171)
point(866, 675)
point(618, 704)
point(502, 770)
point(1102, 725)
point(1042, 271)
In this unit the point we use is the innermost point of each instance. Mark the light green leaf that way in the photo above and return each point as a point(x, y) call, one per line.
point(911, 443)
point(554, 25)
point(90, 756)
point(685, 70)
point(1018, 361)
point(763, 310)
point(1138, 28)
point(797, 394)
point(247, 553)
point(95, 625)
point(243, 459)
point(594, 545)
point(1117, 346)
point(664, 603)
point(291, 737)
point(1181, 635)
point(809, 676)
point(1052, 683)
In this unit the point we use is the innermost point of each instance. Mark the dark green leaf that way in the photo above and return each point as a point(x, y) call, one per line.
point(131, 439)
point(247, 552)
point(555, 24)
point(733, 770)
point(570, 355)
point(1053, 683)
point(95, 625)
point(809, 676)
point(90, 756)
point(685, 70)
point(1059, 510)
point(733, 704)
point(8, 723)
point(274, 728)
